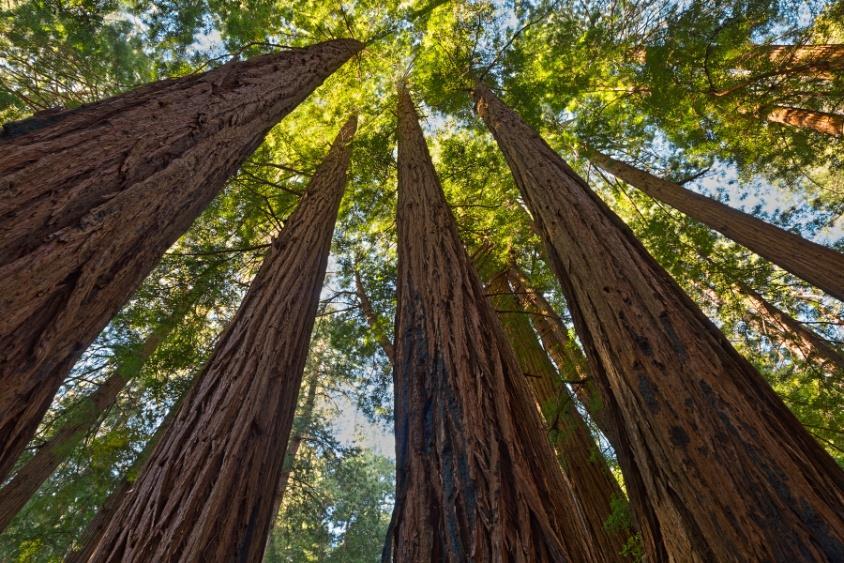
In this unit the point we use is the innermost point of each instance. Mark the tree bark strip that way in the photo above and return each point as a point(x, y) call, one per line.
point(594, 486)
point(203, 493)
point(476, 480)
point(716, 467)
point(813, 120)
point(92, 197)
point(819, 265)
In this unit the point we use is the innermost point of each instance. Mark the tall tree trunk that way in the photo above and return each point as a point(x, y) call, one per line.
point(716, 467)
point(821, 60)
point(203, 494)
point(372, 319)
point(562, 349)
point(809, 344)
point(819, 265)
point(814, 120)
point(594, 486)
point(476, 477)
point(92, 198)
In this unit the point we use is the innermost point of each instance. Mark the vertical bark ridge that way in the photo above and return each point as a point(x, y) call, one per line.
point(89, 205)
point(819, 265)
point(716, 466)
point(476, 480)
point(202, 495)
point(594, 486)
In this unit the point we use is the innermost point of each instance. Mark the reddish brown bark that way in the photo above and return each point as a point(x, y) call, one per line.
point(819, 265)
point(821, 60)
point(203, 493)
point(814, 120)
point(716, 467)
point(94, 196)
point(594, 486)
point(476, 477)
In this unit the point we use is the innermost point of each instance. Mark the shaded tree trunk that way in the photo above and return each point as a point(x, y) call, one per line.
point(372, 319)
point(203, 493)
point(716, 467)
point(92, 198)
point(821, 60)
point(476, 478)
point(814, 120)
point(819, 265)
point(565, 352)
point(594, 486)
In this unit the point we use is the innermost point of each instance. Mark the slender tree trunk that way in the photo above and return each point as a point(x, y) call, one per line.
point(476, 478)
point(203, 494)
point(810, 345)
point(92, 198)
point(372, 319)
point(594, 486)
point(814, 120)
point(562, 349)
point(716, 467)
point(819, 265)
point(59, 446)
point(93, 532)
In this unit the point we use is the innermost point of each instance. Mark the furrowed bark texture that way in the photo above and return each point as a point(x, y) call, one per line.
point(716, 467)
point(819, 121)
point(819, 265)
point(820, 60)
point(477, 479)
point(581, 461)
point(203, 494)
point(92, 197)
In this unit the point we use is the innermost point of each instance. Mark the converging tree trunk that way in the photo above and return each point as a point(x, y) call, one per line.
point(202, 495)
point(815, 59)
point(476, 477)
point(594, 486)
point(92, 198)
point(716, 467)
point(801, 118)
point(819, 265)
point(372, 319)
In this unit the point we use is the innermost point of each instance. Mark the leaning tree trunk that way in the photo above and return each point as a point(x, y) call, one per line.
point(477, 478)
point(92, 198)
point(820, 60)
point(819, 265)
point(813, 120)
point(810, 345)
point(372, 319)
point(203, 493)
point(716, 467)
point(594, 486)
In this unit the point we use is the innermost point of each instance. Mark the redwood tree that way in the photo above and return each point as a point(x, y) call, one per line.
point(595, 488)
point(802, 118)
point(203, 494)
point(716, 466)
point(817, 264)
point(477, 478)
point(92, 197)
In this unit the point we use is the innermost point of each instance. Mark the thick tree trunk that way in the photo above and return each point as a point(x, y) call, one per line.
point(811, 346)
point(821, 60)
point(372, 320)
point(819, 265)
point(716, 467)
point(594, 486)
point(814, 120)
point(203, 494)
point(476, 477)
point(93, 197)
